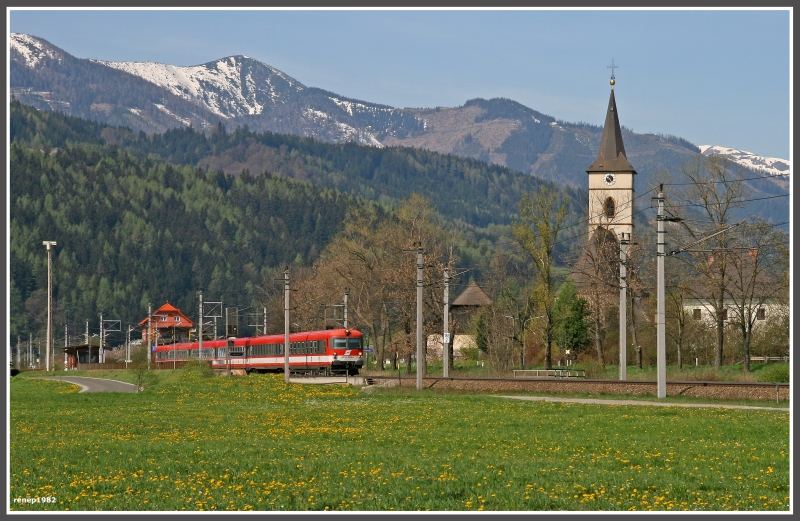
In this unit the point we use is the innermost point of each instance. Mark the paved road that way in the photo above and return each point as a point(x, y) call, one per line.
point(97, 385)
point(642, 402)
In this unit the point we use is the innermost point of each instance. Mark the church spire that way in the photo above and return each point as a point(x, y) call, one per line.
point(611, 156)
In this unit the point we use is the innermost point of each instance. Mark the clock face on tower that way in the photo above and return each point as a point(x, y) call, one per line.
point(609, 179)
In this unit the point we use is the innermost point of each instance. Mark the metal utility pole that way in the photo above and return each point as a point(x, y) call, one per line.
point(128, 346)
point(49, 338)
point(661, 344)
point(30, 350)
point(113, 326)
point(149, 333)
point(346, 294)
point(66, 344)
point(623, 301)
point(200, 327)
point(16, 359)
point(215, 327)
point(286, 324)
point(446, 326)
point(214, 310)
point(88, 345)
point(420, 346)
point(100, 352)
point(264, 332)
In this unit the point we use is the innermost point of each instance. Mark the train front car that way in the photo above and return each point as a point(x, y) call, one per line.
point(347, 349)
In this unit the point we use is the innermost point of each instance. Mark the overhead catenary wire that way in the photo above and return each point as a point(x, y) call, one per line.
point(734, 201)
point(725, 181)
point(623, 206)
point(571, 238)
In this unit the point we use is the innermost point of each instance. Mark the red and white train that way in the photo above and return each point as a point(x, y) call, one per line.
point(328, 351)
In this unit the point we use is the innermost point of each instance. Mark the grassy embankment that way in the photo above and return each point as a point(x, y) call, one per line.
point(194, 442)
point(772, 372)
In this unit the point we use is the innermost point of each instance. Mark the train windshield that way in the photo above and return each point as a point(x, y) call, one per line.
point(347, 343)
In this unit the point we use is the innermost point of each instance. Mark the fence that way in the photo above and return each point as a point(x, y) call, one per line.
point(549, 373)
point(769, 358)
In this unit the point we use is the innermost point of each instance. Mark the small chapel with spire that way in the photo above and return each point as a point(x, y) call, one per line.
point(611, 179)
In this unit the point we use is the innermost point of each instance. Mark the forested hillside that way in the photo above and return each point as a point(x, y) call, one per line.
point(135, 226)
point(463, 190)
point(132, 230)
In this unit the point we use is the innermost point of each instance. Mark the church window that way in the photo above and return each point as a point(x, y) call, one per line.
point(609, 208)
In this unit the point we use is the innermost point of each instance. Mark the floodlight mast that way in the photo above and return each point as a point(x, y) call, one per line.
point(49, 338)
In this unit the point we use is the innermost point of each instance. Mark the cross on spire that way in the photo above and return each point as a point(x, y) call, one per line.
point(612, 67)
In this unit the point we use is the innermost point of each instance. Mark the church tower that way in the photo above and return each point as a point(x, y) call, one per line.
point(611, 180)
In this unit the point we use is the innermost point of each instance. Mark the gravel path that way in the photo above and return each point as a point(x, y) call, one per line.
point(597, 401)
point(96, 385)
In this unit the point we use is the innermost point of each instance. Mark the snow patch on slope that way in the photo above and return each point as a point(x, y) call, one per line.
point(168, 112)
point(224, 87)
point(31, 49)
point(353, 106)
point(315, 114)
point(769, 165)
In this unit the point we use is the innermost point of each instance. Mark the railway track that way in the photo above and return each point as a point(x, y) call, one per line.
point(700, 389)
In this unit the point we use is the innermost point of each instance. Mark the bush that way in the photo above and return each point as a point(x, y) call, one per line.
point(774, 373)
point(593, 369)
point(197, 368)
point(15, 372)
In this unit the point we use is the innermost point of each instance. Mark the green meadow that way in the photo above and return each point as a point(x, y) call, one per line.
point(196, 442)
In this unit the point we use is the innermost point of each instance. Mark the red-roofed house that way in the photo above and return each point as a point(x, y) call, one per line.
point(168, 324)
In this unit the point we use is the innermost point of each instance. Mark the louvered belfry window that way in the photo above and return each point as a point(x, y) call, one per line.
point(609, 207)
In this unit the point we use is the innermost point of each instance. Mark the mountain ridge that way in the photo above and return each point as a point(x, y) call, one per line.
point(243, 92)
point(769, 165)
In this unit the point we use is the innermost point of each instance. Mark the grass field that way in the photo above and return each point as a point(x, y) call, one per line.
point(772, 372)
point(194, 442)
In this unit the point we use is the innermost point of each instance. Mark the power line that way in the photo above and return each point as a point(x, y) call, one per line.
point(737, 201)
point(572, 238)
point(599, 214)
point(726, 181)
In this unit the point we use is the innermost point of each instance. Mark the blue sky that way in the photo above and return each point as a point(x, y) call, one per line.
point(712, 77)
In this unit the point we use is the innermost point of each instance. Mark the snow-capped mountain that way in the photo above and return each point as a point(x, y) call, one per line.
point(34, 50)
point(46, 77)
point(240, 88)
point(768, 165)
point(241, 91)
point(236, 90)
point(229, 87)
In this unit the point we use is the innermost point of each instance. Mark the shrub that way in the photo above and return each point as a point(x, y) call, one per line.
point(774, 373)
point(197, 368)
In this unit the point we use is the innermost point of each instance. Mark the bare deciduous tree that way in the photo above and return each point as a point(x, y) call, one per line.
point(540, 220)
point(755, 272)
point(716, 191)
point(372, 257)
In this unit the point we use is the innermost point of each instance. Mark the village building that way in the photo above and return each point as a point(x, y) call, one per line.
point(167, 325)
point(702, 310)
point(463, 306)
point(83, 353)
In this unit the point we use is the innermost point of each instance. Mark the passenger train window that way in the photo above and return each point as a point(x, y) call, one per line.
point(347, 343)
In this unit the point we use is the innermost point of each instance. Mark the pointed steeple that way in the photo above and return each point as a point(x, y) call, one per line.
point(611, 156)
